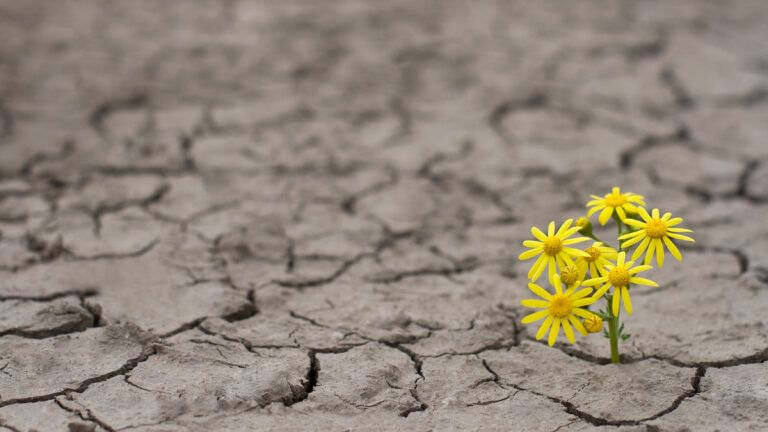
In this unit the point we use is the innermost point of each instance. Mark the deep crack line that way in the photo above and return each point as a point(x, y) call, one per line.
point(85, 414)
point(83, 386)
point(300, 394)
point(571, 408)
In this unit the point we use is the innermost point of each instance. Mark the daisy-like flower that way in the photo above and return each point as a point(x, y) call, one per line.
point(599, 255)
point(560, 309)
point(552, 248)
point(619, 277)
point(653, 233)
point(621, 203)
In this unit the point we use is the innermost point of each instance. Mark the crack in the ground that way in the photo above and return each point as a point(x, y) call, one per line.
point(128, 366)
point(84, 414)
point(102, 112)
point(757, 357)
point(571, 408)
point(349, 203)
point(389, 239)
point(82, 293)
point(308, 383)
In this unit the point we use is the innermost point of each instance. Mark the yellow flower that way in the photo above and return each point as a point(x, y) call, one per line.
point(655, 232)
point(559, 309)
point(597, 259)
point(594, 323)
point(622, 203)
point(552, 249)
point(619, 277)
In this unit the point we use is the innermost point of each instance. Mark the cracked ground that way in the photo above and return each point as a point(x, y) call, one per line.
point(236, 215)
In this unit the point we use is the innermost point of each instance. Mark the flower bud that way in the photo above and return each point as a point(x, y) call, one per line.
point(585, 225)
point(594, 323)
point(570, 275)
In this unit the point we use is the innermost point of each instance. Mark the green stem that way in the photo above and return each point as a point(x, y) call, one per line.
point(613, 333)
point(619, 225)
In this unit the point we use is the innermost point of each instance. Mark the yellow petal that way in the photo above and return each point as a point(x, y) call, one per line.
point(674, 221)
point(631, 208)
point(643, 214)
point(551, 229)
point(650, 251)
point(620, 212)
point(574, 240)
point(580, 293)
point(673, 249)
point(537, 268)
point(533, 303)
point(552, 269)
point(635, 223)
point(615, 303)
point(638, 269)
point(601, 292)
point(568, 332)
point(544, 327)
point(534, 316)
point(621, 259)
point(639, 251)
point(594, 210)
point(553, 331)
point(630, 242)
point(659, 253)
point(540, 270)
point(555, 280)
point(570, 232)
point(680, 237)
point(605, 215)
point(530, 254)
point(594, 281)
point(579, 326)
point(539, 291)
point(538, 234)
point(627, 300)
point(679, 230)
point(564, 227)
point(643, 281)
point(584, 301)
point(575, 252)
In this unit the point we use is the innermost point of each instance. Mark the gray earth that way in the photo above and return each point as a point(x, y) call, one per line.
point(305, 215)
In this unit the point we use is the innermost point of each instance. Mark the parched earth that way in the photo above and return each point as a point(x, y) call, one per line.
point(305, 215)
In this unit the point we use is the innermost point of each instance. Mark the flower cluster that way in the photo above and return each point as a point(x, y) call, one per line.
point(581, 277)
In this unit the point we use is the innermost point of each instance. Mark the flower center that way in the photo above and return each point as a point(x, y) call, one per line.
point(569, 275)
point(560, 306)
point(615, 200)
point(594, 254)
point(553, 245)
point(618, 277)
point(655, 229)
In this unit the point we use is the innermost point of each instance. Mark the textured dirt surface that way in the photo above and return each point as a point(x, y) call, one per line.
point(240, 215)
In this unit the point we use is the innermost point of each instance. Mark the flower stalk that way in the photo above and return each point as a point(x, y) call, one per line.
point(613, 335)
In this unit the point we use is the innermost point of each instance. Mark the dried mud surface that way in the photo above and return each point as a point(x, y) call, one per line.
point(305, 215)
